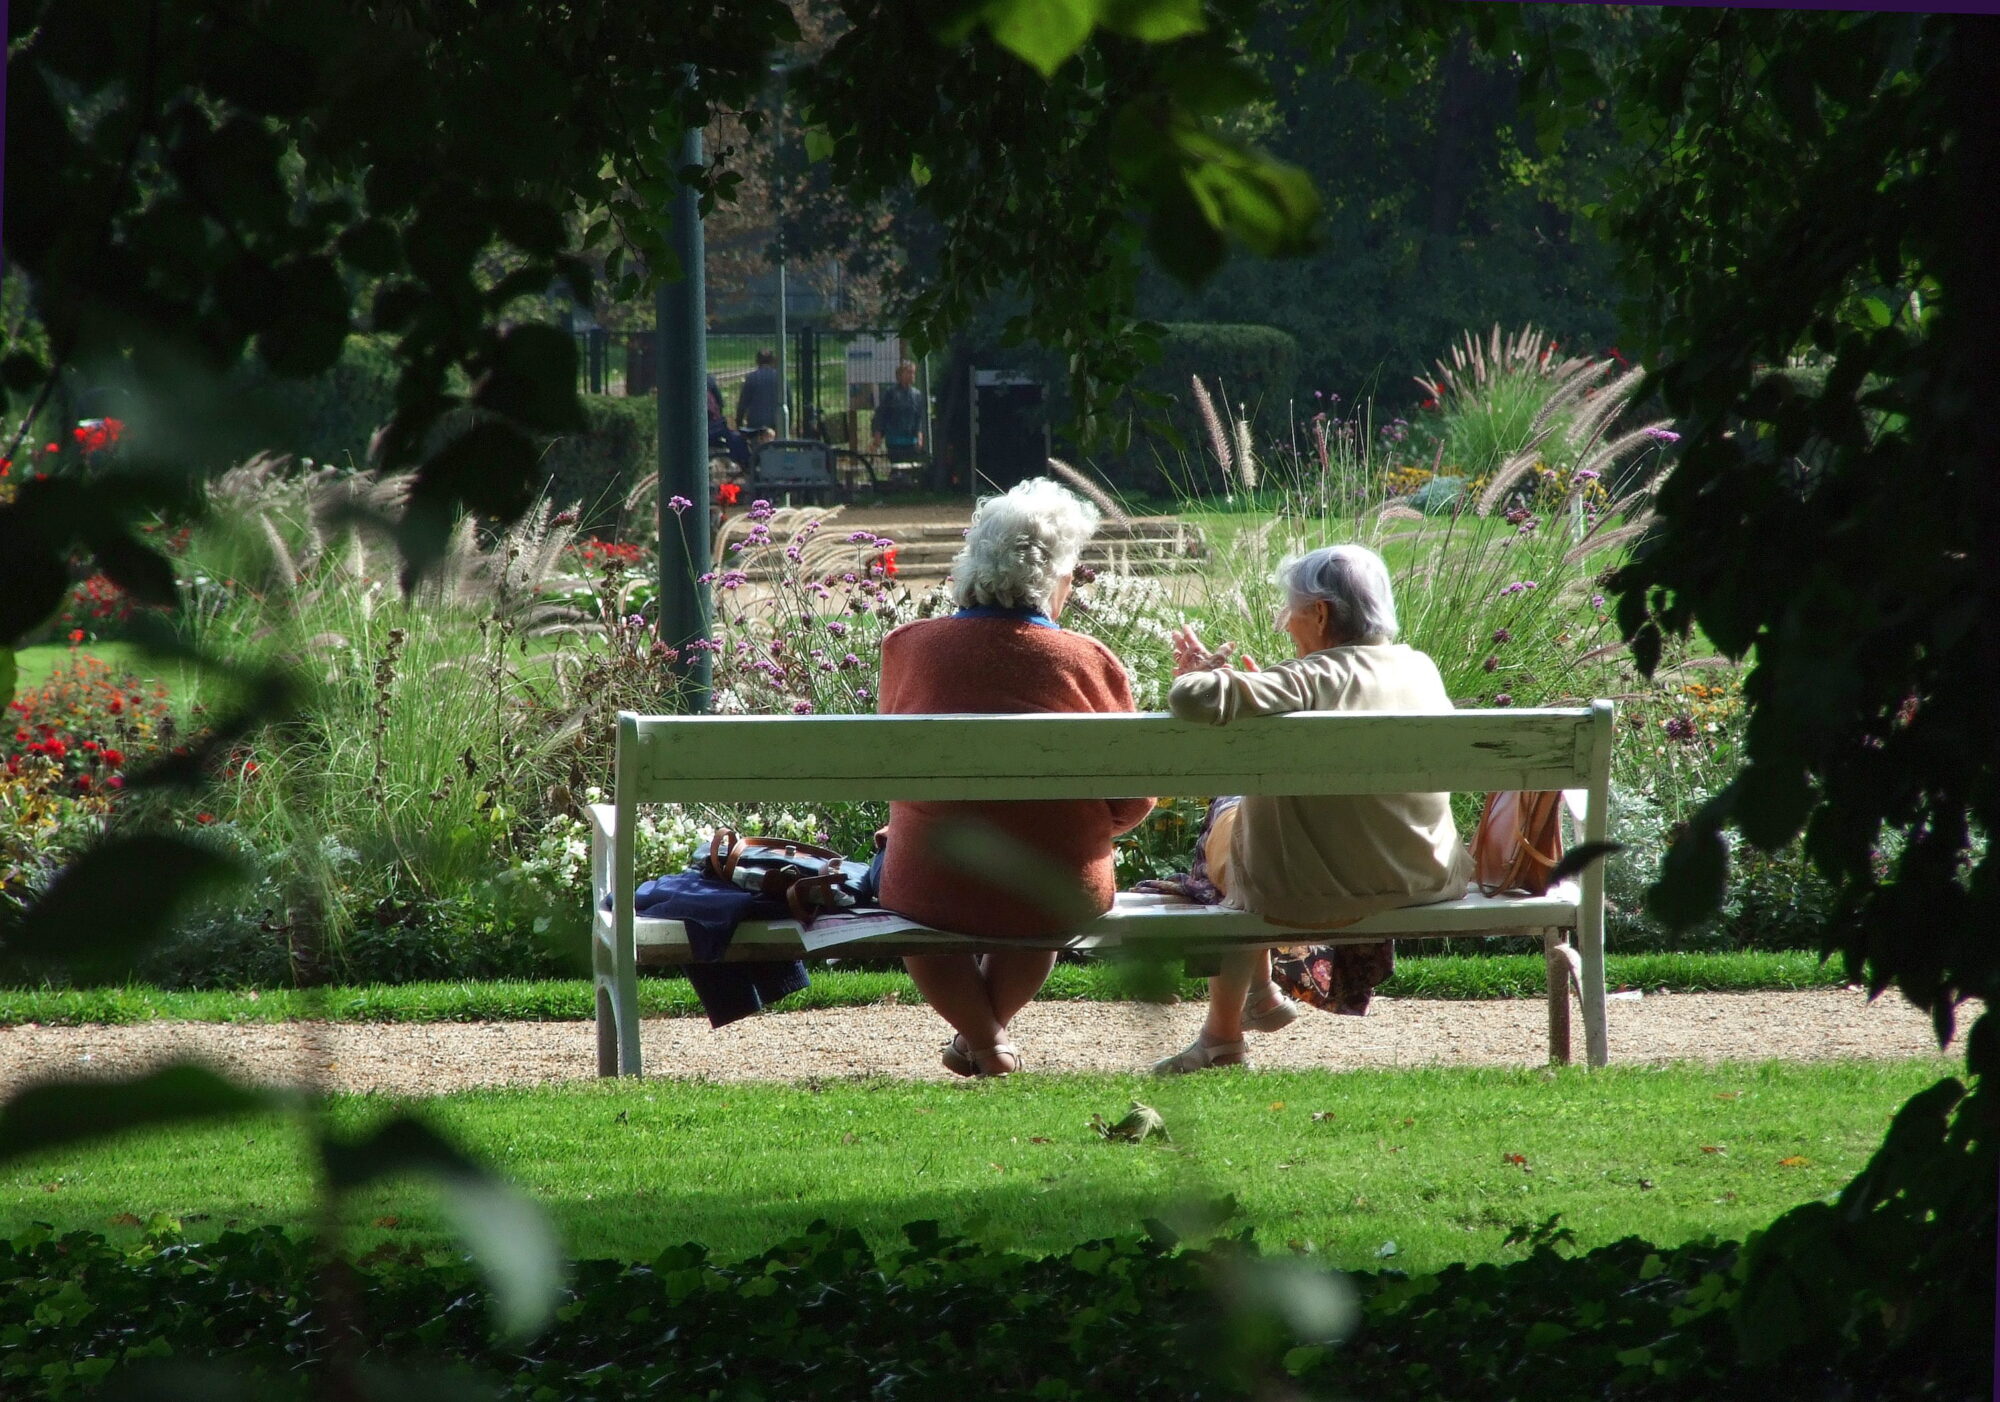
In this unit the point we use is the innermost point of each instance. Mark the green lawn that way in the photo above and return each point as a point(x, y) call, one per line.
point(1439, 1162)
point(34, 664)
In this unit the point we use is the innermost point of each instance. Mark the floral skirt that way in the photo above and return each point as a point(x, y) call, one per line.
point(1335, 978)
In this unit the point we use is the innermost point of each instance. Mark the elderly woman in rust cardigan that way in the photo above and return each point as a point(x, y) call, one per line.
point(1002, 652)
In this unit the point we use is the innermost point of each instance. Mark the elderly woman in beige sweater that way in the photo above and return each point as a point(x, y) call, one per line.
point(1314, 861)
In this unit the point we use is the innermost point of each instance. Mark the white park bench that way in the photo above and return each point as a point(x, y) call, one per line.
point(835, 759)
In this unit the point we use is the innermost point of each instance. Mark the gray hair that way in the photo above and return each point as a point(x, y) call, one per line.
point(1353, 582)
point(1020, 544)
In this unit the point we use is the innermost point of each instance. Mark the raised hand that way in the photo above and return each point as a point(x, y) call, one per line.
point(1191, 654)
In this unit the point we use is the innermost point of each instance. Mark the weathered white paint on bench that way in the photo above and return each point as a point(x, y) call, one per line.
point(686, 759)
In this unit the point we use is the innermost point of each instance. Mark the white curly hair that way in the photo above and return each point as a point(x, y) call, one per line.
point(1020, 544)
point(1354, 583)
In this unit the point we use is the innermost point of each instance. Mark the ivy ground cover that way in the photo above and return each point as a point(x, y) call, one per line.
point(1414, 1169)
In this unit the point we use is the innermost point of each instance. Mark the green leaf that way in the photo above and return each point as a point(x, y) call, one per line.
point(532, 379)
point(1694, 876)
point(1771, 801)
point(139, 570)
point(1154, 21)
point(22, 371)
point(1877, 311)
point(116, 899)
point(61, 1114)
point(309, 324)
point(33, 578)
point(1268, 204)
point(1045, 33)
point(490, 468)
point(506, 1232)
point(818, 143)
point(372, 247)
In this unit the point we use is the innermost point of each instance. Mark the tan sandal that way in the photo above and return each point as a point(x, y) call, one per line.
point(961, 1060)
point(1279, 1015)
point(1199, 1056)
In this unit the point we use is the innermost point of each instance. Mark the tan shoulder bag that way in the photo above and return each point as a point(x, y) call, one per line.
point(1518, 843)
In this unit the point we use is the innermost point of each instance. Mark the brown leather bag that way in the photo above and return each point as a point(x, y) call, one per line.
point(1518, 843)
point(810, 880)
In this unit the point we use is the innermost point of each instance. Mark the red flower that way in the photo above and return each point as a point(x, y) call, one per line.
point(114, 758)
point(730, 493)
point(76, 635)
point(204, 818)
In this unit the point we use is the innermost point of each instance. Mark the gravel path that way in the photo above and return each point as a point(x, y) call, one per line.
point(892, 1040)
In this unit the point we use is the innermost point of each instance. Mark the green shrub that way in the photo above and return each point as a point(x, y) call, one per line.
point(331, 418)
point(825, 1315)
point(596, 469)
point(1251, 370)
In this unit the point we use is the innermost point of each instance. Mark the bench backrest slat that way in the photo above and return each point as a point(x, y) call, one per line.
point(746, 759)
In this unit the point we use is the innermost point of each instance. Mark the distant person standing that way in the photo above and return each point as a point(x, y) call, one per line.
point(758, 402)
point(899, 417)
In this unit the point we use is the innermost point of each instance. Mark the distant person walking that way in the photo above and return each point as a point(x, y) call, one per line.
point(899, 417)
point(762, 395)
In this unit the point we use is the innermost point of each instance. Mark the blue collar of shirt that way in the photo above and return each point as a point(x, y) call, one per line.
point(1026, 615)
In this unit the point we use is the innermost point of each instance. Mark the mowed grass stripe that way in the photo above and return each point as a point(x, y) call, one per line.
point(555, 1000)
point(1439, 1162)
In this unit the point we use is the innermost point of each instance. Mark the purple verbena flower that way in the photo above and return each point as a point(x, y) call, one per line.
point(1503, 699)
point(677, 504)
point(1501, 635)
point(802, 708)
point(1663, 435)
point(761, 510)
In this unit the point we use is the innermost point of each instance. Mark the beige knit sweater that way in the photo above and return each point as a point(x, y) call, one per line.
point(1327, 858)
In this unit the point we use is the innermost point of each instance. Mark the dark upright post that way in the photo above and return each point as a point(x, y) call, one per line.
point(683, 390)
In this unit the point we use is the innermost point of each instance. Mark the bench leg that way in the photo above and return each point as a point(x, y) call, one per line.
point(607, 1033)
point(1590, 983)
point(1556, 950)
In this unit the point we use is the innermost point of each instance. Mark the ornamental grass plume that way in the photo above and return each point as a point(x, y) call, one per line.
point(1246, 459)
point(1218, 441)
point(1098, 496)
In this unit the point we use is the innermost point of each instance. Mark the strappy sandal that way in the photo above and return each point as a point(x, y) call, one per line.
point(1199, 1056)
point(961, 1060)
point(1279, 1015)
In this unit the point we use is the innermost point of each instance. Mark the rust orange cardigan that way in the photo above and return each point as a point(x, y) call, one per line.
point(992, 666)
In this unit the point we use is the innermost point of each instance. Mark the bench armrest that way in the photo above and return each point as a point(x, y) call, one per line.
point(603, 825)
